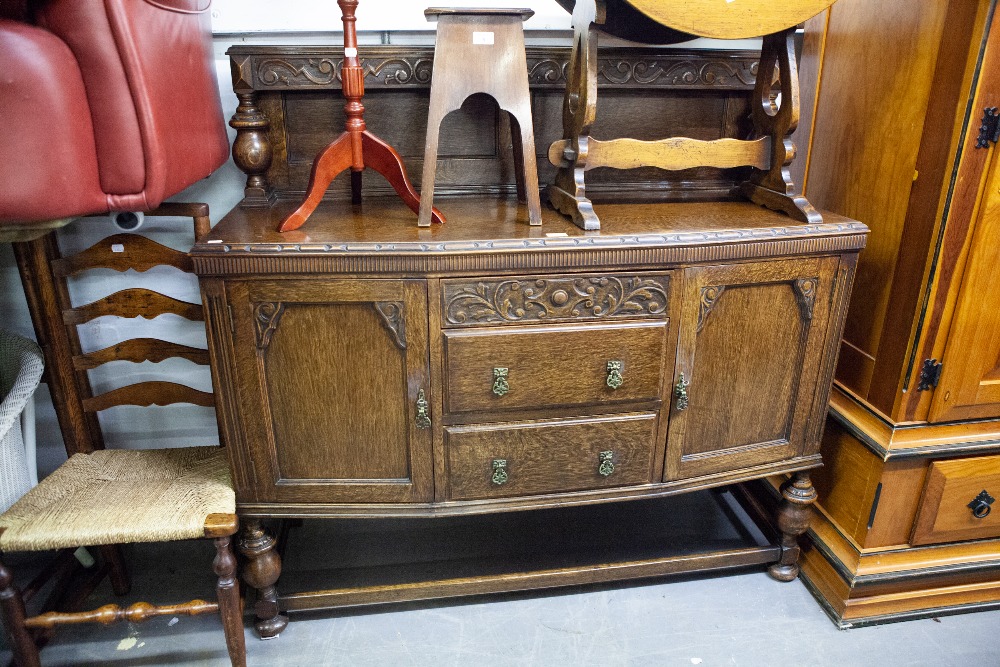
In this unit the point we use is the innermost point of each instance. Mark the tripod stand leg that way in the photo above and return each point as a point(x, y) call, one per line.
point(334, 159)
point(384, 159)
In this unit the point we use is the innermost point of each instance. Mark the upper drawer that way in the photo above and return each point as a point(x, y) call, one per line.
point(958, 501)
point(542, 299)
point(541, 367)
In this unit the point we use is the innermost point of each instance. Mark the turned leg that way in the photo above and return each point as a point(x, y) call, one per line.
point(794, 513)
point(262, 570)
point(13, 616)
point(228, 593)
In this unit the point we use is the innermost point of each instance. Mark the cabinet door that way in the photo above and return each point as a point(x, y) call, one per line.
point(752, 341)
point(330, 374)
point(969, 387)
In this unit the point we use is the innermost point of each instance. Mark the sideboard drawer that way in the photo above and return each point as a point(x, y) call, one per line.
point(959, 501)
point(538, 367)
point(502, 460)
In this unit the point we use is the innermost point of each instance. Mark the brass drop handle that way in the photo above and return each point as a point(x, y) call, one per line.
point(423, 418)
point(615, 378)
point(500, 471)
point(681, 393)
point(981, 505)
point(605, 465)
point(500, 384)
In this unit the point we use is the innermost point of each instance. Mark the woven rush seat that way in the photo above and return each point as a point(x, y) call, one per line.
point(120, 497)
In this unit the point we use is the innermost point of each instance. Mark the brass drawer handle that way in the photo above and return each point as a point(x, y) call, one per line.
point(980, 505)
point(423, 411)
point(681, 392)
point(500, 384)
point(500, 471)
point(606, 466)
point(615, 378)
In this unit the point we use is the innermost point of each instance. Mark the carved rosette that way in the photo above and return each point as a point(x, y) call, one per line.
point(805, 294)
point(709, 297)
point(544, 299)
point(266, 317)
point(392, 316)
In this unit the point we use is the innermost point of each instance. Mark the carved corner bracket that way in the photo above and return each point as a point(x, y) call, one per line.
point(805, 294)
point(392, 316)
point(266, 317)
point(709, 297)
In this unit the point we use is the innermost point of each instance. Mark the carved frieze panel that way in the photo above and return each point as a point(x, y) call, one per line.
point(533, 300)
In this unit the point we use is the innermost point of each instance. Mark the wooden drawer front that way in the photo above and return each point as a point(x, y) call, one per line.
point(553, 366)
point(549, 456)
point(543, 299)
point(945, 514)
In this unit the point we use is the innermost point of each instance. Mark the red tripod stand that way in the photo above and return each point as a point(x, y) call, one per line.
point(356, 148)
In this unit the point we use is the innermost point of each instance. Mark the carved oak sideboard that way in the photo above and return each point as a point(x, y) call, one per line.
point(370, 368)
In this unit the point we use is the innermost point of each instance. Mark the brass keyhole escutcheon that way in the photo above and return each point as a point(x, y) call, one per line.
point(681, 392)
point(606, 465)
point(981, 505)
point(500, 384)
point(423, 418)
point(615, 378)
point(500, 471)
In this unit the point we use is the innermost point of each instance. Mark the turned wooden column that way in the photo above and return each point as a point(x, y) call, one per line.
point(13, 615)
point(794, 514)
point(251, 149)
point(228, 592)
point(262, 569)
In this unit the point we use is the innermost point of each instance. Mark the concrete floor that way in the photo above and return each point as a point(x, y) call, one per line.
point(740, 618)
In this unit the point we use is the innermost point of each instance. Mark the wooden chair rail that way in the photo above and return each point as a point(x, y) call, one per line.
point(131, 303)
point(112, 613)
point(122, 252)
point(145, 394)
point(138, 350)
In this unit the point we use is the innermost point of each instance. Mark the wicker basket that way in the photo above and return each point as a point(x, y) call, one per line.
point(20, 372)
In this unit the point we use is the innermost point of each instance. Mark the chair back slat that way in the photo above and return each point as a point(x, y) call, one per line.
point(122, 252)
point(138, 350)
point(131, 303)
point(145, 394)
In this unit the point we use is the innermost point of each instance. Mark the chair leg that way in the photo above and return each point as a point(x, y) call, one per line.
point(230, 609)
point(13, 616)
point(121, 583)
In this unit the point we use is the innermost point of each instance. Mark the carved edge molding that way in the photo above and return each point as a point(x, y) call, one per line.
point(709, 297)
point(392, 317)
point(547, 299)
point(805, 294)
point(266, 317)
point(305, 67)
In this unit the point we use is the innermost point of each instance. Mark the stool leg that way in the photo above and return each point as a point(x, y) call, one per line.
point(435, 115)
point(384, 159)
point(13, 615)
point(228, 592)
point(526, 168)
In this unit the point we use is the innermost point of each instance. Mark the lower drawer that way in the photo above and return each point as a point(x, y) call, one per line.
point(505, 460)
point(958, 501)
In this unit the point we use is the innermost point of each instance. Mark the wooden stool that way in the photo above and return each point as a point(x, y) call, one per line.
point(482, 51)
point(774, 117)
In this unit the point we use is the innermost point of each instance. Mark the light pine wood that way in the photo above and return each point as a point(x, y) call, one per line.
point(730, 20)
point(945, 515)
point(673, 154)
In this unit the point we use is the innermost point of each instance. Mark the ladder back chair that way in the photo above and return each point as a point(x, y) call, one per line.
point(102, 497)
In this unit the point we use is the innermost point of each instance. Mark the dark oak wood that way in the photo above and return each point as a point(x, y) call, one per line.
point(261, 571)
point(12, 609)
point(122, 252)
point(356, 148)
point(138, 350)
point(145, 394)
point(230, 605)
point(129, 303)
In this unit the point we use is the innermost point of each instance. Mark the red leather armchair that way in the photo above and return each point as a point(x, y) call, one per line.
point(109, 105)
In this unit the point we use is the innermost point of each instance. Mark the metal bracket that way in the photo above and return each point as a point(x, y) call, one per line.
point(930, 374)
point(989, 131)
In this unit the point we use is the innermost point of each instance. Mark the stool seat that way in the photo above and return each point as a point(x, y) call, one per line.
point(124, 496)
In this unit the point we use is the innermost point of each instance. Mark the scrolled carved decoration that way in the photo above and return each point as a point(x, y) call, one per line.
point(709, 297)
point(392, 316)
point(544, 299)
point(291, 71)
point(805, 294)
point(266, 317)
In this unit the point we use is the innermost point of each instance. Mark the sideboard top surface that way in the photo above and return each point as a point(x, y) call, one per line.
point(493, 233)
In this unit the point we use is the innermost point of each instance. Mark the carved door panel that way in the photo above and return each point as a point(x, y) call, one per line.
point(969, 387)
point(750, 352)
point(333, 375)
